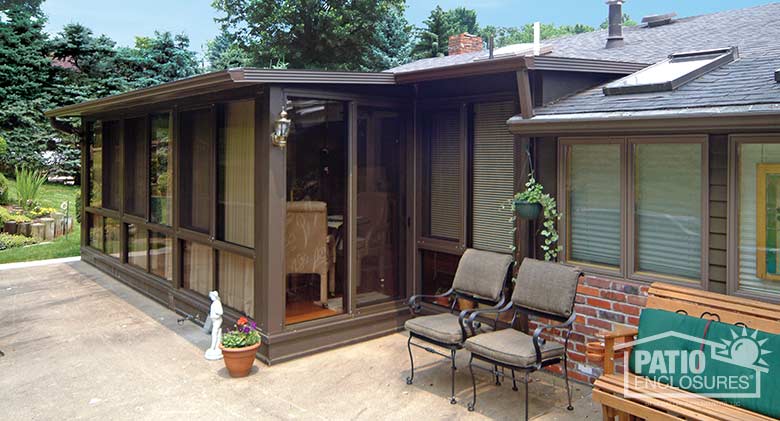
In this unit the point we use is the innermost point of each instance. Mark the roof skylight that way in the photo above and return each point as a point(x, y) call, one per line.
point(673, 72)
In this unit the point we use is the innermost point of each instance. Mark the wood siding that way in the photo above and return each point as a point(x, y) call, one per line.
point(718, 212)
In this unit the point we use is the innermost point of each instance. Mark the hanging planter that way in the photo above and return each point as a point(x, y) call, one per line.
point(527, 210)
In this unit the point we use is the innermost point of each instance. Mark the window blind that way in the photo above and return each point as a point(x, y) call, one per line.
point(594, 204)
point(493, 177)
point(445, 175)
point(668, 183)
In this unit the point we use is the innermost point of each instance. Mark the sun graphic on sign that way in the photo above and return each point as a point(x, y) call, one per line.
point(745, 349)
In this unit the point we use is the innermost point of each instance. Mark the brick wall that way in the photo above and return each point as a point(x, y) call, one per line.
point(601, 304)
point(464, 43)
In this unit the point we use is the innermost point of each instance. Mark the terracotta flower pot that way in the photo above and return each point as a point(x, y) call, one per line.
point(239, 361)
point(595, 352)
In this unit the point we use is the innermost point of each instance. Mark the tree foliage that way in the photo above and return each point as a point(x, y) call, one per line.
point(627, 21)
point(525, 34)
point(306, 34)
point(38, 73)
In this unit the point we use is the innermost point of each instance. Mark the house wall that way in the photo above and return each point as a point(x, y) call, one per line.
point(605, 302)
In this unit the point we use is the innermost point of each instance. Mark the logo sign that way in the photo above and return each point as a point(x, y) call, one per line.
point(728, 368)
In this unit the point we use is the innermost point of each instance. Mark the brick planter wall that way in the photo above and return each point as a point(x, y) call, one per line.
point(601, 305)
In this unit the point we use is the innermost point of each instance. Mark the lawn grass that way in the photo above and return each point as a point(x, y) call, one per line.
point(51, 196)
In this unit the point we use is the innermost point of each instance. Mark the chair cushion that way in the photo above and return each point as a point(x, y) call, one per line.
point(511, 347)
point(482, 273)
point(546, 287)
point(443, 328)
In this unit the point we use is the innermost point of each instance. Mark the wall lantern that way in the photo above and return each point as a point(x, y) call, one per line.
point(281, 130)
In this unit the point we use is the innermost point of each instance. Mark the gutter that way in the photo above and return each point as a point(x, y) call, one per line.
point(708, 119)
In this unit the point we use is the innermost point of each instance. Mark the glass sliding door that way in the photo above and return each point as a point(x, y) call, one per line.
point(380, 204)
point(316, 235)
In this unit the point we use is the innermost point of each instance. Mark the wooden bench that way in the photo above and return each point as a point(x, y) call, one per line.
point(609, 389)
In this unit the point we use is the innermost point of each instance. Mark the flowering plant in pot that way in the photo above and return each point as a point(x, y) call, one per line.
point(239, 347)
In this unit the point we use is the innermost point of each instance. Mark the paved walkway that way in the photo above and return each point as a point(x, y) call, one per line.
point(79, 344)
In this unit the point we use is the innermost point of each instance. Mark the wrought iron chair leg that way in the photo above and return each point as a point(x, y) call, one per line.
point(526, 396)
point(410, 379)
point(452, 384)
point(473, 385)
point(566, 377)
point(514, 382)
point(495, 368)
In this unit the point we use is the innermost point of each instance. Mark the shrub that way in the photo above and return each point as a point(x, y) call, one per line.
point(5, 194)
point(8, 241)
point(6, 215)
point(28, 186)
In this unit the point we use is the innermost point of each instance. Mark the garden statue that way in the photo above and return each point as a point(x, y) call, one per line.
point(214, 320)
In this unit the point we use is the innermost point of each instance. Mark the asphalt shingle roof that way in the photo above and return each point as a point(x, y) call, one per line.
point(748, 80)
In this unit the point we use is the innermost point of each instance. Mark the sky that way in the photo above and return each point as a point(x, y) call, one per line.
point(122, 20)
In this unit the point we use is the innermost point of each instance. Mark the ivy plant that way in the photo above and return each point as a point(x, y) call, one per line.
point(534, 193)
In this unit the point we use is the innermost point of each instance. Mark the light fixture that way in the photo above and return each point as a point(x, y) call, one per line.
point(281, 130)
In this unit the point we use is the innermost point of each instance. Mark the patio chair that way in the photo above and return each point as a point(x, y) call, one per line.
point(542, 289)
point(480, 278)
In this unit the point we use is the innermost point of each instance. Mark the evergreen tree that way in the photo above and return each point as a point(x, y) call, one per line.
point(393, 42)
point(462, 20)
point(433, 39)
point(25, 89)
point(224, 53)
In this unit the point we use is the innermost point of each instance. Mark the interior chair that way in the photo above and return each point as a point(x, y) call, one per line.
point(542, 289)
point(307, 248)
point(480, 278)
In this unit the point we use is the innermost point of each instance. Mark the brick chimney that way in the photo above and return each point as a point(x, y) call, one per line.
point(464, 43)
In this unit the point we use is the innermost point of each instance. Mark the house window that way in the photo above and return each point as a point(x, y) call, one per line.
point(161, 255)
point(198, 268)
point(660, 181)
point(758, 194)
point(593, 212)
point(236, 275)
point(112, 161)
point(197, 141)
point(236, 159)
point(95, 231)
point(112, 237)
point(668, 208)
point(137, 246)
point(135, 167)
point(96, 165)
point(161, 169)
point(445, 176)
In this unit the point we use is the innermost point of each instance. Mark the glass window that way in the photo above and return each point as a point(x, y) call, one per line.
point(112, 237)
point(137, 246)
point(112, 163)
point(444, 186)
point(198, 274)
point(237, 173)
point(237, 282)
point(135, 167)
point(96, 166)
point(95, 231)
point(161, 255)
point(196, 150)
point(671, 73)
point(316, 241)
point(161, 169)
point(759, 230)
point(379, 205)
point(594, 198)
point(668, 208)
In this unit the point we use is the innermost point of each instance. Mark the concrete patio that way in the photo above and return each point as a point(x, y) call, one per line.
point(79, 344)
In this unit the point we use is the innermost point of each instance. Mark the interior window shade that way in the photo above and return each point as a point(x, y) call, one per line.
point(594, 204)
point(446, 213)
point(236, 174)
point(493, 177)
point(668, 183)
point(752, 157)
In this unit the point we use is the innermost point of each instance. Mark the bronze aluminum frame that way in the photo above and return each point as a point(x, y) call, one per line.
point(732, 247)
point(628, 268)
